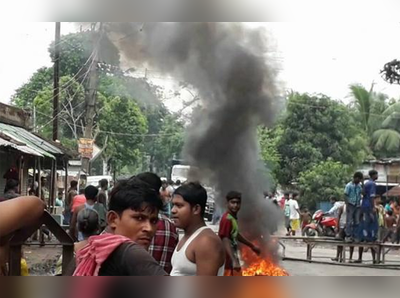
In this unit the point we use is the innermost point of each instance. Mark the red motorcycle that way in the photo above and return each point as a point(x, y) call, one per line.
point(321, 226)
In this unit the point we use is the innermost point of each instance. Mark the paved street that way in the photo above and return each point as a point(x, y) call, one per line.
point(306, 269)
point(295, 249)
point(41, 260)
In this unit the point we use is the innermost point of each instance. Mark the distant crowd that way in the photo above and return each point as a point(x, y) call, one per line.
point(361, 216)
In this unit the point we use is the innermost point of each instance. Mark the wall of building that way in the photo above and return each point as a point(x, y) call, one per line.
point(389, 173)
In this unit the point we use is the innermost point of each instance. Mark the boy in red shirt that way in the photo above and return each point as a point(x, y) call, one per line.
point(230, 235)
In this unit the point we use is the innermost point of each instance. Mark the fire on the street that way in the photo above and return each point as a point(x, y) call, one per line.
point(257, 266)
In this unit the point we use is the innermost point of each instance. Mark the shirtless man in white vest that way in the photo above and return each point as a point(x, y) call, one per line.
point(200, 252)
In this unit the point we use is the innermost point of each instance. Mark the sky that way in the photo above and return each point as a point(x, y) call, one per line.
point(314, 57)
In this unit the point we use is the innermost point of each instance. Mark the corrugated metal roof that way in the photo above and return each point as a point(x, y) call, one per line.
point(32, 141)
point(21, 148)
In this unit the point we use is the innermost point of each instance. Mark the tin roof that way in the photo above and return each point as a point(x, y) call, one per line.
point(21, 148)
point(30, 141)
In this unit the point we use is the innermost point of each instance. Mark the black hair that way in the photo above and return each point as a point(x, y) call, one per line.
point(103, 183)
point(194, 194)
point(60, 192)
point(11, 184)
point(295, 195)
point(333, 198)
point(88, 222)
point(151, 179)
point(134, 194)
point(74, 183)
point(82, 191)
point(233, 195)
point(359, 175)
point(286, 193)
point(372, 173)
point(390, 212)
point(178, 182)
point(91, 193)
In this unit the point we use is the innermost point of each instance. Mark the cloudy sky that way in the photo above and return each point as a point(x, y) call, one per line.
point(315, 57)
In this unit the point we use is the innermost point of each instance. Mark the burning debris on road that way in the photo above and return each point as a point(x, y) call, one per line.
point(260, 265)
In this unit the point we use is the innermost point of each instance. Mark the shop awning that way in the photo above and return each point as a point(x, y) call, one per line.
point(19, 147)
point(394, 192)
point(29, 141)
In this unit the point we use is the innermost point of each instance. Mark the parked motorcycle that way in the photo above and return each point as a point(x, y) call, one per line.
point(321, 226)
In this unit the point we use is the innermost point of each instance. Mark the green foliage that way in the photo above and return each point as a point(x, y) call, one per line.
point(380, 119)
point(25, 95)
point(269, 139)
point(72, 109)
point(168, 144)
point(323, 180)
point(76, 50)
point(124, 120)
point(316, 128)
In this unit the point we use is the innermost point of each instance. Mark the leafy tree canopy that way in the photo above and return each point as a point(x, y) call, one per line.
point(324, 179)
point(316, 128)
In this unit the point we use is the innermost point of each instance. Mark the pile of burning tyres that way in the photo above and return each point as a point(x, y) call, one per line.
point(260, 265)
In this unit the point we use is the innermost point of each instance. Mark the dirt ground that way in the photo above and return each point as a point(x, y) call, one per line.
point(42, 260)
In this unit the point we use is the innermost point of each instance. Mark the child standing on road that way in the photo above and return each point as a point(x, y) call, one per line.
point(305, 217)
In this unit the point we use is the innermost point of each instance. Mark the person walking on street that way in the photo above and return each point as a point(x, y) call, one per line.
point(72, 192)
point(353, 193)
point(103, 193)
point(92, 204)
point(286, 210)
point(294, 214)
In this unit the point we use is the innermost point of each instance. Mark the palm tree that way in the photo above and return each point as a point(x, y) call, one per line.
point(380, 120)
point(387, 138)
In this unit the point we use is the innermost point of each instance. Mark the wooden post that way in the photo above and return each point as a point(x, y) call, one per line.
point(68, 257)
point(20, 174)
point(15, 260)
point(66, 181)
point(39, 178)
point(53, 186)
point(34, 171)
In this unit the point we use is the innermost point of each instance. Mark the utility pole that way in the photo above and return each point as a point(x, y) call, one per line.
point(91, 92)
point(56, 90)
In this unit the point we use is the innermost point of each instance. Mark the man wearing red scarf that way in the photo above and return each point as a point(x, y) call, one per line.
point(132, 223)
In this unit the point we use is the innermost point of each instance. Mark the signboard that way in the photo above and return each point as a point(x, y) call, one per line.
point(86, 148)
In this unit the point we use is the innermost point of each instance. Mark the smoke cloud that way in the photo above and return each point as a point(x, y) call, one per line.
point(227, 65)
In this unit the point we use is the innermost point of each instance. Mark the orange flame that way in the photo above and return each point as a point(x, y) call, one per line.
point(258, 266)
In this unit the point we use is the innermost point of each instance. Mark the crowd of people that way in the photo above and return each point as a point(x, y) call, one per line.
point(361, 216)
point(133, 230)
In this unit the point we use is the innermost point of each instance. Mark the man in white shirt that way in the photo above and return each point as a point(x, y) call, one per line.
point(334, 211)
point(294, 214)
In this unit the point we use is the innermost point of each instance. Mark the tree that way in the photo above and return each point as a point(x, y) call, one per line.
point(122, 127)
point(386, 140)
point(269, 139)
point(316, 128)
point(323, 180)
point(169, 143)
point(138, 108)
point(76, 50)
point(379, 119)
point(25, 95)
